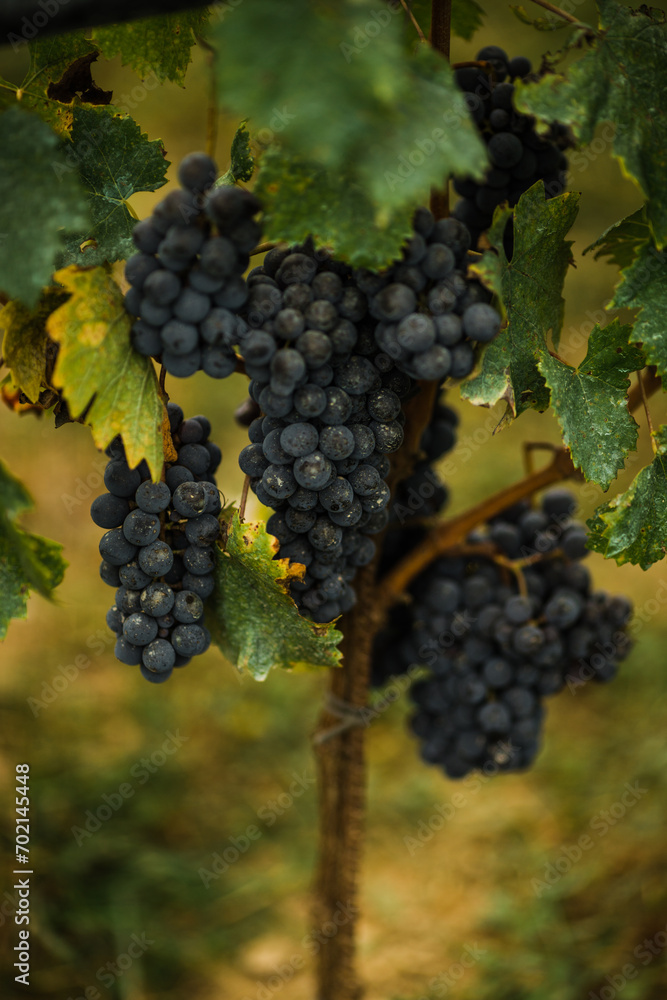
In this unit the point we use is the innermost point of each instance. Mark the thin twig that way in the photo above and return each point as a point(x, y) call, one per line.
point(441, 23)
point(557, 11)
point(647, 411)
point(651, 383)
point(240, 365)
point(406, 8)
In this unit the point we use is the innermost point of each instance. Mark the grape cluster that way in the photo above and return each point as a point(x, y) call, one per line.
point(158, 549)
point(331, 414)
point(519, 156)
point(187, 279)
point(429, 312)
point(495, 649)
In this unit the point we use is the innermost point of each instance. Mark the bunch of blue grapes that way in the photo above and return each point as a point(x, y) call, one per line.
point(429, 312)
point(330, 415)
point(496, 641)
point(158, 549)
point(187, 279)
point(519, 156)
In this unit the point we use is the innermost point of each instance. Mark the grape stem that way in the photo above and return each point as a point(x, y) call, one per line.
point(650, 384)
point(240, 365)
point(244, 498)
point(406, 7)
point(263, 248)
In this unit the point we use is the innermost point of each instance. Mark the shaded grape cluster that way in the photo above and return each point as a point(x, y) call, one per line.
point(331, 414)
point(187, 280)
point(519, 156)
point(158, 549)
point(423, 493)
point(429, 312)
point(497, 640)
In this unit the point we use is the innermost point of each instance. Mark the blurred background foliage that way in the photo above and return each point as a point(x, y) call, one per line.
point(470, 886)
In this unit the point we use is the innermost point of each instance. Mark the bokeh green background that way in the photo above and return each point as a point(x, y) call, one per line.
point(243, 744)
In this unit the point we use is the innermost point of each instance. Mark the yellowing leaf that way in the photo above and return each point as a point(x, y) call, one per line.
point(26, 339)
point(99, 371)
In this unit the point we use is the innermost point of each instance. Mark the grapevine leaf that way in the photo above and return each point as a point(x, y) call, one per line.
point(467, 17)
point(539, 23)
point(531, 284)
point(393, 120)
point(591, 402)
point(256, 623)
point(633, 526)
point(25, 341)
point(27, 562)
point(50, 57)
point(114, 160)
point(643, 286)
point(243, 162)
point(301, 198)
point(154, 46)
point(34, 207)
point(621, 241)
point(98, 370)
point(622, 79)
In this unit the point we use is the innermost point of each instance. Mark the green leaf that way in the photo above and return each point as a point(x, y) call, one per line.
point(50, 57)
point(256, 623)
point(467, 17)
point(25, 341)
point(539, 23)
point(243, 162)
point(621, 241)
point(633, 526)
point(34, 207)
point(531, 286)
point(393, 121)
point(643, 286)
point(301, 198)
point(114, 160)
point(154, 46)
point(27, 562)
point(622, 79)
point(100, 373)
point(591, 402)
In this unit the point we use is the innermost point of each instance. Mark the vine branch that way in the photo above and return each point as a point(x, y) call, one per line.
point(454, 532)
